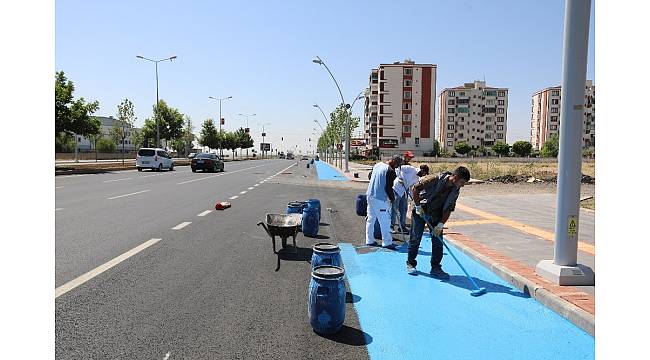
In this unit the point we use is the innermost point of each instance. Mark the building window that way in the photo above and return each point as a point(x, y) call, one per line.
point(502, 93)
point(450, 135)
point(555, 93)
point(500, 118)
point(450, 127)
point(499, 127)
point(463, 110)
point(451, 110)
point(488, 119)
point(490, 102)
point(408, 71)
point(490, 93)
point(554, 110)
point(452, 93)
point(502, 102)
point(406, 128)
point(488, 136)
point(406, 106)
point(450, 118)
point(450, 143)
point(555, 101)
point(451, 102)
point(407, 117)
point(488, 127)
point(499, 136)
point(461, 135)
point(408, 82)
point(407, 94)
point(461, 127)
point(403, 140)
point(500, 111)
point(417, 141)
point(553, 127)
point(462, 93)
point(553, 118)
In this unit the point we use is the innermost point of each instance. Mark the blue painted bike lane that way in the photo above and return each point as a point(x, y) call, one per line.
point(328, 172)
point(419, 317)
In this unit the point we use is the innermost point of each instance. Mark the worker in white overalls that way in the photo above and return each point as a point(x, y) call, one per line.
point(380, 196)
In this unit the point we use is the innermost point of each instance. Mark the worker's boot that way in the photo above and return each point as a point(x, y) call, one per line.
point(438, 273)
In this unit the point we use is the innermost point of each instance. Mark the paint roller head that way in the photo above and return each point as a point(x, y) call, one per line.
point(478, 292)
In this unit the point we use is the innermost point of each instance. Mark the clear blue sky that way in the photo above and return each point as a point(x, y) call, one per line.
point(260, 53)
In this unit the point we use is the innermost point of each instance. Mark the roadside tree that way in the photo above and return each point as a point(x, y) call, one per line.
point(501, 148)
point(551, 147)
point(462, 148)
point(522, 148)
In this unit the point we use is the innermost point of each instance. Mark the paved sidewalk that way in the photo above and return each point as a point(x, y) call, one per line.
point(512, 233)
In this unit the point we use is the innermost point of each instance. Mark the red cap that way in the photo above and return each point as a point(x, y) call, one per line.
point(408, 153)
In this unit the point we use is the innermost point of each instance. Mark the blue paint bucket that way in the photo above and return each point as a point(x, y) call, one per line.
point(362, 205)
point(326, 254)
point(314, 203)
point(326, 299)
point(295, 207)
point(310, 221)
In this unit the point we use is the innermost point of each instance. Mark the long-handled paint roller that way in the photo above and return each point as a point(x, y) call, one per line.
point(478, 291)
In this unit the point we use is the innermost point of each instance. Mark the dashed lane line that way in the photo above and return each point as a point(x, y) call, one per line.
point(251, 188)
point(233, 197)
point(243, 192)
point(205, 213)
point(102, 268)
point(181, 225)
point(135, 193)
point(116, 180)
point(221, 174)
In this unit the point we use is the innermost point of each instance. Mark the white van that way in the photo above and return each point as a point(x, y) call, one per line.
point(155, 159)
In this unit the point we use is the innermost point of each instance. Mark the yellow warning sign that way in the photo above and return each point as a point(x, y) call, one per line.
point(572, 226)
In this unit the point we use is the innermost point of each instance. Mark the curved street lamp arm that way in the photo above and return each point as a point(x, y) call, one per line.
point(335, 82)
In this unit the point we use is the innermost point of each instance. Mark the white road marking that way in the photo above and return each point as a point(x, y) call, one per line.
point(58, 187)
point(100, 269)
point(234, 197)
point(167, 355)
point(57, 209)
point(243, 192)
point(221, 174)
point(205, 213)
point(251, 188)
point(181, 225)
point(116, 180)
point(135, 193)
point(256, 185)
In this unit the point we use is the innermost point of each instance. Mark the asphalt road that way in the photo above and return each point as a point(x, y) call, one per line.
point(208, 288)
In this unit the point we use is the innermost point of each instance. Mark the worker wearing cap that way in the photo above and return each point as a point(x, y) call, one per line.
point(435, 199)
point(379, 196)
point(406, 176)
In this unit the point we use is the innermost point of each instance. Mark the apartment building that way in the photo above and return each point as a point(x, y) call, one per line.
point(400, 107)
point(545, 115)
point(474, 113)
point(107, 124)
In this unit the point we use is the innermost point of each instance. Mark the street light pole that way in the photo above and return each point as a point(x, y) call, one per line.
point(220, 100)
point(319, 61)
point(157, 99)
point(247, 116)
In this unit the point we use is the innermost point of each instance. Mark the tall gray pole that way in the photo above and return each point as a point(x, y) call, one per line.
point(564, 270)
point(574, 73)
point(157, 110)
point(221, 142)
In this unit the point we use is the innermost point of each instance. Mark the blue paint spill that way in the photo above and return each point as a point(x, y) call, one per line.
point(419, 317)
point(327, 172)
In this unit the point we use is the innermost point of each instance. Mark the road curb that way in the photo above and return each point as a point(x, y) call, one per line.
point(564, 308)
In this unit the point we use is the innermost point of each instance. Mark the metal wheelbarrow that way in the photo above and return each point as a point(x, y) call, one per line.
point(282, 225)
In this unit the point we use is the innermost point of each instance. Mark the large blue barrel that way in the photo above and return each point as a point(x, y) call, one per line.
point(377, 230)
point(362, 205)
point(310, 221)
point(326, 299)
point(295, 207)
point(314, 203)
point(326, 254)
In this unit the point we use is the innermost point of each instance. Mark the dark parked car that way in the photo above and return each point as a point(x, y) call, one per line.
point(209, 162)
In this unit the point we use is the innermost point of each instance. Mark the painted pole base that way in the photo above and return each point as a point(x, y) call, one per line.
point(579, 275)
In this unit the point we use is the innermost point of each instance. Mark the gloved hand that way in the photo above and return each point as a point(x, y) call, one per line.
point(437, 230)
point(419, 210)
